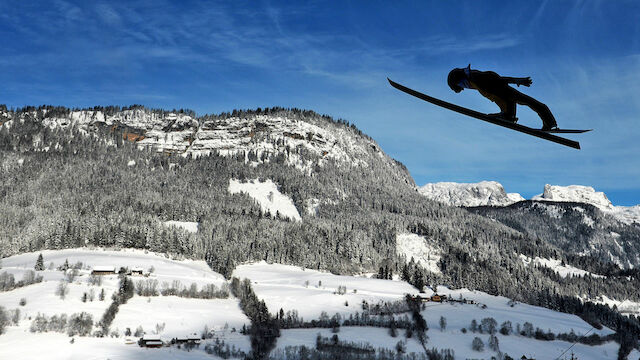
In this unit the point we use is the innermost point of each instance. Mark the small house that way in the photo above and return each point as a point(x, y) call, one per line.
point(422, 297)
point(150, 342)
point(437, 298)
point(189, 340)
point(137, 271)
point(103, 270)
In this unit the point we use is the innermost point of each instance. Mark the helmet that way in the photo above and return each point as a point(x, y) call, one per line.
point(456, 76)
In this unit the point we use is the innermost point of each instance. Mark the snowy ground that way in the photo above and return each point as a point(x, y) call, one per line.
point(284, 286)
point(459, 316)
point(180, 316)
point(498, 307)
point(164, 268)
point(18, 344)
point(267, 195)
point(310, 292)
point(452, 338)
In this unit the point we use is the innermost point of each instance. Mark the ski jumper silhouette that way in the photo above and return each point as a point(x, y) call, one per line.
point(496, 88)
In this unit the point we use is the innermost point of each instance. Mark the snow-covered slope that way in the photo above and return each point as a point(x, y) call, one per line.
point(284, 286)
point(563, 270)
point(474, 194)
point(311, 292)
point(267, 195)
point(627, 214)
point(417, 247)
point(175, 316)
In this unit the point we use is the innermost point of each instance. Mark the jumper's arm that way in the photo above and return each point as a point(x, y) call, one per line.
point(526, 81)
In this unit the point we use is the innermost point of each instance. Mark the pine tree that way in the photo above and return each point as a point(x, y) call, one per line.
point(443, 323)
point(39, 263)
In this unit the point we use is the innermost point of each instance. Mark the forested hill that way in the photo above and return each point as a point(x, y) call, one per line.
point(114, 177)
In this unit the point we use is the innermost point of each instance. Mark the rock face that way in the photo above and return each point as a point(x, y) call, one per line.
point(575, 193)
point(485, 193)
point(303, 139)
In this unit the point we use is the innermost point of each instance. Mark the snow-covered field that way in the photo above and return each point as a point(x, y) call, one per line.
point(498, 307)
point(180, 316)
point(19, 345)
point(164, 268)
point(267, 195)
point(452, 338)
point(311, 292)
point(459, 316)
point(176, 316)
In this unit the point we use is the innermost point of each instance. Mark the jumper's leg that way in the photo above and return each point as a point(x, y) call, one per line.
point(548, 120)
point(507, 108)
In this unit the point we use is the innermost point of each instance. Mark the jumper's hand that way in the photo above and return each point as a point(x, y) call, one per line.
point(524, 81)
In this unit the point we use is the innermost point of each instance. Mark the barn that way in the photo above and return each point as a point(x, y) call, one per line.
point(103, 270)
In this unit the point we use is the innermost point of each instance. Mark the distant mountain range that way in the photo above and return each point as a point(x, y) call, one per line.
point(492, 193)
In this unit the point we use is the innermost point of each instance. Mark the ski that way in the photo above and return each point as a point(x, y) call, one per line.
point(494, 120)
point(566, 131)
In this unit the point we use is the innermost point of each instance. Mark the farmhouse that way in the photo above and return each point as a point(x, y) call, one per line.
point(137, 271)
point(190, 340)
point(150, 342)
point(103, 270)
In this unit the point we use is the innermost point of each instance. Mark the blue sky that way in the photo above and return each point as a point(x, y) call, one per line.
point(333, 57)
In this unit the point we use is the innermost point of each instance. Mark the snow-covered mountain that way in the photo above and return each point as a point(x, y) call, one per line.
point(492, 193)
point(304, 138)
point(575, 193)
point(588, 195)
point(485, 193)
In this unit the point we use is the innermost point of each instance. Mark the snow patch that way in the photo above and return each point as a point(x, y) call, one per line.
point(625, 307)
point(416, 247)
point(267, 195)
point(189, 226)
point(312, 206)
point(557, 266)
